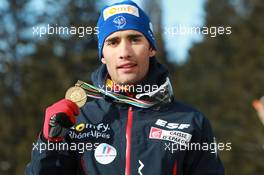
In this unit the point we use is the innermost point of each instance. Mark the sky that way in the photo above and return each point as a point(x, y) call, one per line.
point(182, 13)
point(176, 13)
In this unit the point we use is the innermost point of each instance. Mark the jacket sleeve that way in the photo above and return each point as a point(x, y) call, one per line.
point(46, 159)
point(205, 160)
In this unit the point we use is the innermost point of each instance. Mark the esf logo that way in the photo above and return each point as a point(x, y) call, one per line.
point(120, 22)
point(168, 125)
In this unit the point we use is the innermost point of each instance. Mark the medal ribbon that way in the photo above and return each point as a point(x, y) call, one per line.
point(95, 92)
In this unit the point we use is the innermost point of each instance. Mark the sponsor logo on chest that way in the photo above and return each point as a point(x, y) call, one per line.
point(105, 153)
point(179, 137)
point(88, 130)
point(170, 132)
point(168, 125)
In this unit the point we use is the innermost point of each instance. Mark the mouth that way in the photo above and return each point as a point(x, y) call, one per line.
point(127, 67)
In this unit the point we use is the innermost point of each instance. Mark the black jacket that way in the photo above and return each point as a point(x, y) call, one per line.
point(120, 139)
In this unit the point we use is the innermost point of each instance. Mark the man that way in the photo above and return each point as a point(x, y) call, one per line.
point(259, 107)
point(134, 130)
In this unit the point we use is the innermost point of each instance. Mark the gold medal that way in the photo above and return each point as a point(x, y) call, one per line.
point(77, 95)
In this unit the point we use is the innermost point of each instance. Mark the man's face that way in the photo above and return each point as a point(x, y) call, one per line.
point(126, 55)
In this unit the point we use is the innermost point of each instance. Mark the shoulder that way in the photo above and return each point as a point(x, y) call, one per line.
point(180, 107)
point(190, 113)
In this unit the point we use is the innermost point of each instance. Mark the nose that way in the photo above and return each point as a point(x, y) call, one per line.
point(125, 50)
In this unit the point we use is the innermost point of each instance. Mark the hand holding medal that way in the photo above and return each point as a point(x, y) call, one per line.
point(60, 116)
point(77, 95)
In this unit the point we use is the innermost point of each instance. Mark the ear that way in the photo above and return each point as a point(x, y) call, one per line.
point(103, 60)
point(152, 52)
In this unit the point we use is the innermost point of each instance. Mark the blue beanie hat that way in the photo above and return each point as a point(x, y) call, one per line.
point(125, 15)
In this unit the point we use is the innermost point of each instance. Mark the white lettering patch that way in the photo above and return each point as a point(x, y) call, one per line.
point(164, 123)
point(118, 9)
point(179, 137)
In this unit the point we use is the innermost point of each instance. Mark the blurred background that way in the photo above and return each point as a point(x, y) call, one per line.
point(220, 76)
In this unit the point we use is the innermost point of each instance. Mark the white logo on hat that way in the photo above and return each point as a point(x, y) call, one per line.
point(151, 26)
point(118, 9)
point(105, 153)
point(120, 22)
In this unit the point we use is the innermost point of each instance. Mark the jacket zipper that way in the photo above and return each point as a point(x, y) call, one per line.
point(175, 168)
point(83, 166)
point(128, 139)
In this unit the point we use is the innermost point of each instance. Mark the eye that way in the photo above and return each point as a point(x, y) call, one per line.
point(111, 43)
point(135, 39)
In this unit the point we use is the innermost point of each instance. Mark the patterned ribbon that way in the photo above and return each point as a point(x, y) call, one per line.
point(95, 92)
